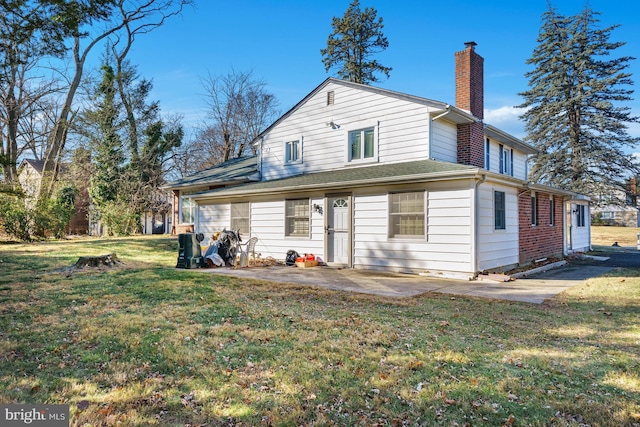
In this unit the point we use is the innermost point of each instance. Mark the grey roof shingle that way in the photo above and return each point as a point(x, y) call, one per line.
point(422, 170)
point(234, 171)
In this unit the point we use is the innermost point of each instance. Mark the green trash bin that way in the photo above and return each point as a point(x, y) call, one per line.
point(189, 253)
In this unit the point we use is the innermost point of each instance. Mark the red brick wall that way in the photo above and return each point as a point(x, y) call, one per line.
point(541, 240)
point(471, 144)
point(470, 97)
point(470, 81)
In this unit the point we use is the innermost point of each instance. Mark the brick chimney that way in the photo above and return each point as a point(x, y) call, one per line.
point(470, 97)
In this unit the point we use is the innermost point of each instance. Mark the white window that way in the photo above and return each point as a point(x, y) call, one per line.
point(187, 210)
point(362, 144)
point(552, 210)
point(406, 215)
point(506, 160)
point(534, 209)
point(608, 215)
point(499, 210)
point(297, 218)
point(240, 215)
point(292, 152)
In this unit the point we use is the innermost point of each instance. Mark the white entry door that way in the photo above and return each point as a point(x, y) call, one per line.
point(338, 230)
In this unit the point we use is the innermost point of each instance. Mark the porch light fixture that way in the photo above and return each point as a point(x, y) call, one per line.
point(317, 208)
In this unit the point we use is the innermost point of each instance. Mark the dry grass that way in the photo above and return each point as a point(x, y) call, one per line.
point(150, 345)
point(606, 236)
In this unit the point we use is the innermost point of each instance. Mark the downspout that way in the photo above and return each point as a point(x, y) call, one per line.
point(448, 110)
point(476, 231)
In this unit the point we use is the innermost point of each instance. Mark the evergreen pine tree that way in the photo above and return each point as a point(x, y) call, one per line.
point(575, 112)
point(355, 38)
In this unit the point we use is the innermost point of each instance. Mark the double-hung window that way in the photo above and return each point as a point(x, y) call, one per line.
point(240, 217)
point(499, 210)
point(362, 144)
point(292, 152)
point(297, 218)
point(187, 209)
point(406, 215)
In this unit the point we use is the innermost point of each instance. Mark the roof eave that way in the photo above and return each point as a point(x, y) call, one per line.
point(434, 176)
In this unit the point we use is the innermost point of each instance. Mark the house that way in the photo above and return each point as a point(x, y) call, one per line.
point(30, 179)
point(370, 178)
point(621, 209)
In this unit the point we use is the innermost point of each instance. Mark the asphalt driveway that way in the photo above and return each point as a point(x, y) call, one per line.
point(533, 288)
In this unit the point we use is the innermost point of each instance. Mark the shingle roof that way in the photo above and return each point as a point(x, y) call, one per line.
point(234, 171)
point(422, 170)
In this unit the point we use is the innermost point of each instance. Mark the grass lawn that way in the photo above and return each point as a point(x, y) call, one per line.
point(146, 344)
point(606, 236)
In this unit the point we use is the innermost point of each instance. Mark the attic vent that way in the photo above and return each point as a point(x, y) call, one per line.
point(330, 97)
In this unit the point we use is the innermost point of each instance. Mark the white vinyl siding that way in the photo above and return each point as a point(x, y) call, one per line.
point(449, 228)
point(444, 146)
point(401, 126)
point(499, 247)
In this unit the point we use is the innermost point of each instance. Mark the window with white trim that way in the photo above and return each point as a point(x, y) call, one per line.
point(534, 209)
point(297, 218)
point(187, 209)
point(292, 152)
point(499, 210)
point(362, 144)
point(552, 210)
point(240, 216)
point(406, 215)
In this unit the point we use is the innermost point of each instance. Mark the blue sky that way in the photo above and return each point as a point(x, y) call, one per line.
point(280, 42)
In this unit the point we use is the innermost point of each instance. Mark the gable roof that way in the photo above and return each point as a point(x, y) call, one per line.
point(37, 165)
point(345, 178)
point(456, 115)
point(231, 172)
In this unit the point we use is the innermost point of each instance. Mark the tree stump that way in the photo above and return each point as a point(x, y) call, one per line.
point(108, 260)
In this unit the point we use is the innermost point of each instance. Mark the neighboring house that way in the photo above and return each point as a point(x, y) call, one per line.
point(30, 178)
point(369, 178)
point(622, 211)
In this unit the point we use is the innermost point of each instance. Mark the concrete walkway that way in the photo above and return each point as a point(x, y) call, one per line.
point(534, 288)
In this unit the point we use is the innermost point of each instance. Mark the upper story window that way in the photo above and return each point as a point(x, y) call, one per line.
point(487, 154)
point(331, 97)
point(506, 160)
point(293, 152)
point(362, 144)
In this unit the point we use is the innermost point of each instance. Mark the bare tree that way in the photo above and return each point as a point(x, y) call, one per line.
point(240, 108)
point(129, 17)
